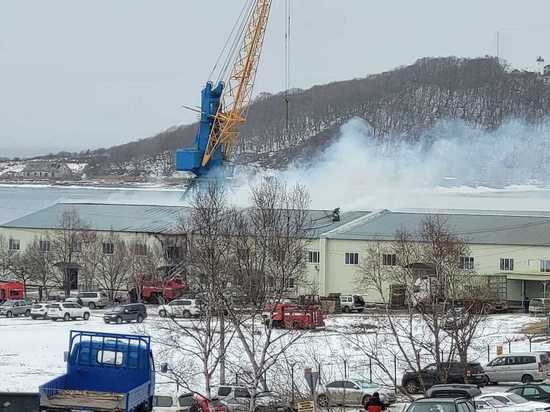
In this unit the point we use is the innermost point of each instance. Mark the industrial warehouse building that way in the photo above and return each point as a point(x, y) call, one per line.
point(511, 246)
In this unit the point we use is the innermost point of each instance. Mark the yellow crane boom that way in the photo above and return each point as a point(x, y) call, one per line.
point(239, 84)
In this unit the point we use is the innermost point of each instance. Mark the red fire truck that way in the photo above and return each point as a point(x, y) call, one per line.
point(11, 290)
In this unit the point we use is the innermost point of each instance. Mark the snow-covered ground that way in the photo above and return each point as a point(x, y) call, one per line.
point(31, 351)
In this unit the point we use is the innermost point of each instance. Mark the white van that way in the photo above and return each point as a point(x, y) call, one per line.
point(539, 306)
point(352, 303)
point(524, 367)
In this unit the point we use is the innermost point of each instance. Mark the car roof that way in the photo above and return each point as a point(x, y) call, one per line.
point(488, 395)
point(522, 354)
point(439, 400)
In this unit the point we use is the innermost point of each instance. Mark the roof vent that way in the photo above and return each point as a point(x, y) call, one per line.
point(336, 215)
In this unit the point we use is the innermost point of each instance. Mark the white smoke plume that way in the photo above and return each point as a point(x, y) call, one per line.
point(449, 161)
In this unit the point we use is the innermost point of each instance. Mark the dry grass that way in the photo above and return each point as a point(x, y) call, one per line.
point(538, 328)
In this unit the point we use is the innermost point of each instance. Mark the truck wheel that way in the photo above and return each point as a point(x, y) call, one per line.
point(28, 313)
point(118, 320)
point(67, 317)
point(162, 313)
point(9, 314)
point(139, 319)
point(186, 314)
point(346, 309)
point(106, 320)
point(86, 316)
point(91, 305)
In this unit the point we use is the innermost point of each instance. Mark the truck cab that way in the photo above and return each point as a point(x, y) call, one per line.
point(105, 371)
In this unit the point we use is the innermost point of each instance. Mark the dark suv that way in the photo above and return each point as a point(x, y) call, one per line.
point(450, 372)
point(126, 313)
point(441, 405)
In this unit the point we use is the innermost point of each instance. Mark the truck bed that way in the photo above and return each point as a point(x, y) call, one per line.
point(88, 399)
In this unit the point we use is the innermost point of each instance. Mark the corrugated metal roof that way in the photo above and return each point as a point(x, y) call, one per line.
point(117, 217)
point(148, 218)
point(505, 229)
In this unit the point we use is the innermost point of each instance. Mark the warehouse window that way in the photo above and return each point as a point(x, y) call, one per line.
point(14, 244)
point(44, 245)
point(466, 262)
point(313, 256)
point(77, 246)
point(140, 249)
point(506, 264)
point(389, 259)
point(352, 258)
point(545, 265)
point(108, 248)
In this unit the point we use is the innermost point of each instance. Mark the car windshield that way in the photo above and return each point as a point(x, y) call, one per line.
point(545, 387)
point(432, 407)
point(518, 400)
point(367, 384)
point(54, 306)
point(117, 309)
point(7, 303)
point(37, 306)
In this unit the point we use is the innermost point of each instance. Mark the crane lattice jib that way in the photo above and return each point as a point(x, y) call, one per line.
point(239, 84)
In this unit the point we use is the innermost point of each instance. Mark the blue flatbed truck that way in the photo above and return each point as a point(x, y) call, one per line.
point(105, 372)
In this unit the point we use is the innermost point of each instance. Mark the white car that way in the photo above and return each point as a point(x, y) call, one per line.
point(514, 402)
point(39, 310)
point(184, 308)
point(67, 311)
point(493, 405)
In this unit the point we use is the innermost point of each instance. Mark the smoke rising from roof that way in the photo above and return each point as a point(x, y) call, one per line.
point(451, 159)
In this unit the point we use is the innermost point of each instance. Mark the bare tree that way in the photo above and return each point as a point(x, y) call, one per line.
point(425, 266)
point(5, 258)
point(113, 266)
point(268, 247)
point(208, 263)
point(66, 246)
point(38, 260)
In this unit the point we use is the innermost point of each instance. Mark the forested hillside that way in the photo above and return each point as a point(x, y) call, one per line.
point(403, 101)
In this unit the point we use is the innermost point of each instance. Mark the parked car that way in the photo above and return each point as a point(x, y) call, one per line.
point(237, 398)
point(450, 372)
point(39, 310)
point(518, 403)
point(271, 402)
point(352, 392)
point(533, 392)
point(12, 308)
point(524, 367)
point(352, 303)
point(453, 391)
point(187, 402)
point(441, 405)
point(126, 313)
point(184, 308)
point(67, 311)
point(93, 299)
point(539, 306)
point(492, 405)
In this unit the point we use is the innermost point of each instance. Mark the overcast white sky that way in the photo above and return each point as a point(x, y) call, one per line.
point(84, 74)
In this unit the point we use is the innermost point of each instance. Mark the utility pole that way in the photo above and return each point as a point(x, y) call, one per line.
point(498, 46)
